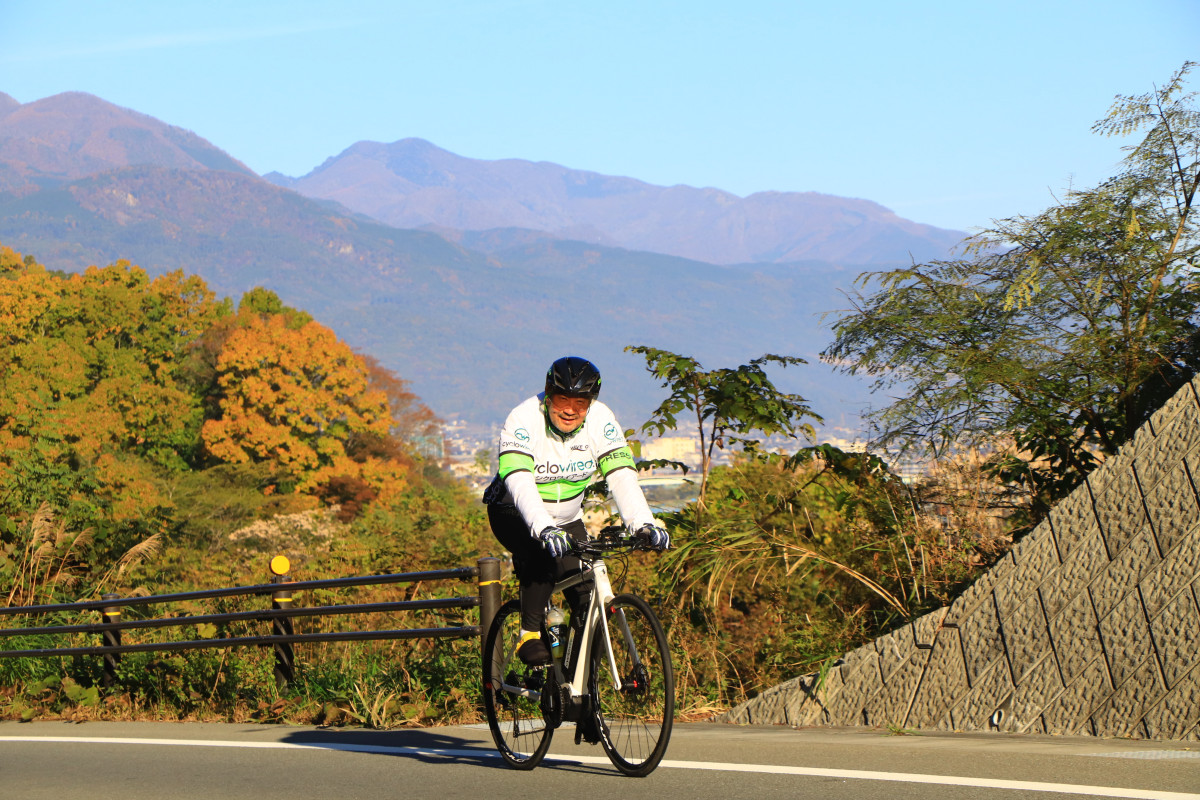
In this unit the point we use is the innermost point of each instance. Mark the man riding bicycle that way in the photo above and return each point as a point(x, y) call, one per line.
point(551, 446)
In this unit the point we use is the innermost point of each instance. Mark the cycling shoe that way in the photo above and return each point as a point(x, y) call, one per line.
point(534, 653)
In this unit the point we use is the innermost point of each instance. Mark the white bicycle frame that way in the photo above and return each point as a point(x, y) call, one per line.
point(601, 595)
point(593, 625)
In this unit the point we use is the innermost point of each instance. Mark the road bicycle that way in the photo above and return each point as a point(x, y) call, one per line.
point(615, 680)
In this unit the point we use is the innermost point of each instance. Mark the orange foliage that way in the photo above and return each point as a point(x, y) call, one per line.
point(110, 375)
point(294, 397)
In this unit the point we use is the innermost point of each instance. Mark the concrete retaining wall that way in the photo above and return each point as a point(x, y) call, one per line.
point(1090, 625)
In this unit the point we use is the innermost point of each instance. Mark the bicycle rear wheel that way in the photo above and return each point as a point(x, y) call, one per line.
point(512, 694)
point(635, 706)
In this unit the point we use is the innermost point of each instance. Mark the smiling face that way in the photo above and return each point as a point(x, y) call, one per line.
point(568, 412)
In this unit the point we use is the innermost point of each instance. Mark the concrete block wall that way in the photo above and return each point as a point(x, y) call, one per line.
point(1089, 626)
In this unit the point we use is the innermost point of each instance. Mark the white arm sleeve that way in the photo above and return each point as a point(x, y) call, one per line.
point(523, 489)
point(623, 484)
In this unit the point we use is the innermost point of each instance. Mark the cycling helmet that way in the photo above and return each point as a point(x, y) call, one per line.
point(573, 375)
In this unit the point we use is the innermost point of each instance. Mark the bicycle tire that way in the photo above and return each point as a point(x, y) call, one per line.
point(634, 722)
point(516, 721)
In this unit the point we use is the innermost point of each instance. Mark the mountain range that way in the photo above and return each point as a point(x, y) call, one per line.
point(412, 183)
point(469, 312)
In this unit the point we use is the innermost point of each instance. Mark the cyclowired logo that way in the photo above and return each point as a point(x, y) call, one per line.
point(521, 434)
point(586, 467)
point(610, 432)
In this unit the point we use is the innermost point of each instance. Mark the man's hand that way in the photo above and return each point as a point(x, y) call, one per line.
point(654, 537)
point(555, 540)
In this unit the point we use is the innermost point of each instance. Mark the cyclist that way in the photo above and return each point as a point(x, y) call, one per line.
point(550, 447)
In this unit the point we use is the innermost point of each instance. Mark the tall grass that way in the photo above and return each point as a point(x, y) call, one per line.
point(799, 560)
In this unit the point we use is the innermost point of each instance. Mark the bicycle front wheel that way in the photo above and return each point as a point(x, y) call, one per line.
point(512, 694)
point(635, 705)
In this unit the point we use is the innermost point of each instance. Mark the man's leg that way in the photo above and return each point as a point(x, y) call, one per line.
point(535, 570)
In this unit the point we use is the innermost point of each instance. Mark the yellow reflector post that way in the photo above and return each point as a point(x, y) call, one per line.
point(280, 565)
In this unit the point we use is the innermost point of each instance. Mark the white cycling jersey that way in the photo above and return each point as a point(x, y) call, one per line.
point(544, 473)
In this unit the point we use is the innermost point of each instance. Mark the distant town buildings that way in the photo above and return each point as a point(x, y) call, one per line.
point(468, 451)
point(855, 445)
point(684, 449)
point(432, 447)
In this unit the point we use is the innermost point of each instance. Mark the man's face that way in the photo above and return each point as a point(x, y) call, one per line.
point(567, 412)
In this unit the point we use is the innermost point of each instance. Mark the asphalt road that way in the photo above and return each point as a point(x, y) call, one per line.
point(170, 761)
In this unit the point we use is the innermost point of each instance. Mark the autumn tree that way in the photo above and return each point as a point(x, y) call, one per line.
point(412, 420)
point(293, 397)
point(92, 410)
point(123, 395)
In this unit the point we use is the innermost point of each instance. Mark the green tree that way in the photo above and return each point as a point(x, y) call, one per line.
point(727, 404)
point(1059, 332)
point(92, 410)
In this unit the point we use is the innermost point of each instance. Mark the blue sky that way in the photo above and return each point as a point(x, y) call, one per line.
point(949, 113)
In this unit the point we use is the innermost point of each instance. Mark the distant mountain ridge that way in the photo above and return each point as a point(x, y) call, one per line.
point(412, 183)
point(471, 318)
point(471, 330)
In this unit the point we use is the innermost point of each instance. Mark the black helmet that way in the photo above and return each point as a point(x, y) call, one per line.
point(573, 375)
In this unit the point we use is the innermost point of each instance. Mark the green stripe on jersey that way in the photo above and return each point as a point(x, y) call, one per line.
point(621, 457)
point(514, 462)
point(561, 490)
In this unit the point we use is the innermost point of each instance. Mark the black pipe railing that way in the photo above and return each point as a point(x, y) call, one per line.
point(248, 616)
point(281, 615)
point(461, 573)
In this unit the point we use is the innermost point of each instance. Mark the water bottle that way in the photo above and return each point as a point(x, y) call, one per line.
point(556, 627)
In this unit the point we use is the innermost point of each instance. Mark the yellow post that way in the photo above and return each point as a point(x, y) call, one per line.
point(282, 626)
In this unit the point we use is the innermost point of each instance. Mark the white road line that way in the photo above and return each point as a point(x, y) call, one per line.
point(944, 780)
point(1151, 755)
point(768, 769)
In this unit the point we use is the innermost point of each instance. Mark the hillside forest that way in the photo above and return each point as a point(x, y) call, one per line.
point(155, 438)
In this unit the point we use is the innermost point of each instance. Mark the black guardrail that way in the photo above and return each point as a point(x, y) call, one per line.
point(281, 614)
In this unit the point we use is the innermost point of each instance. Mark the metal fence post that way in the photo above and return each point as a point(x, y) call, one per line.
point(111, 615)
point(285, 656)
point(489, 596)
